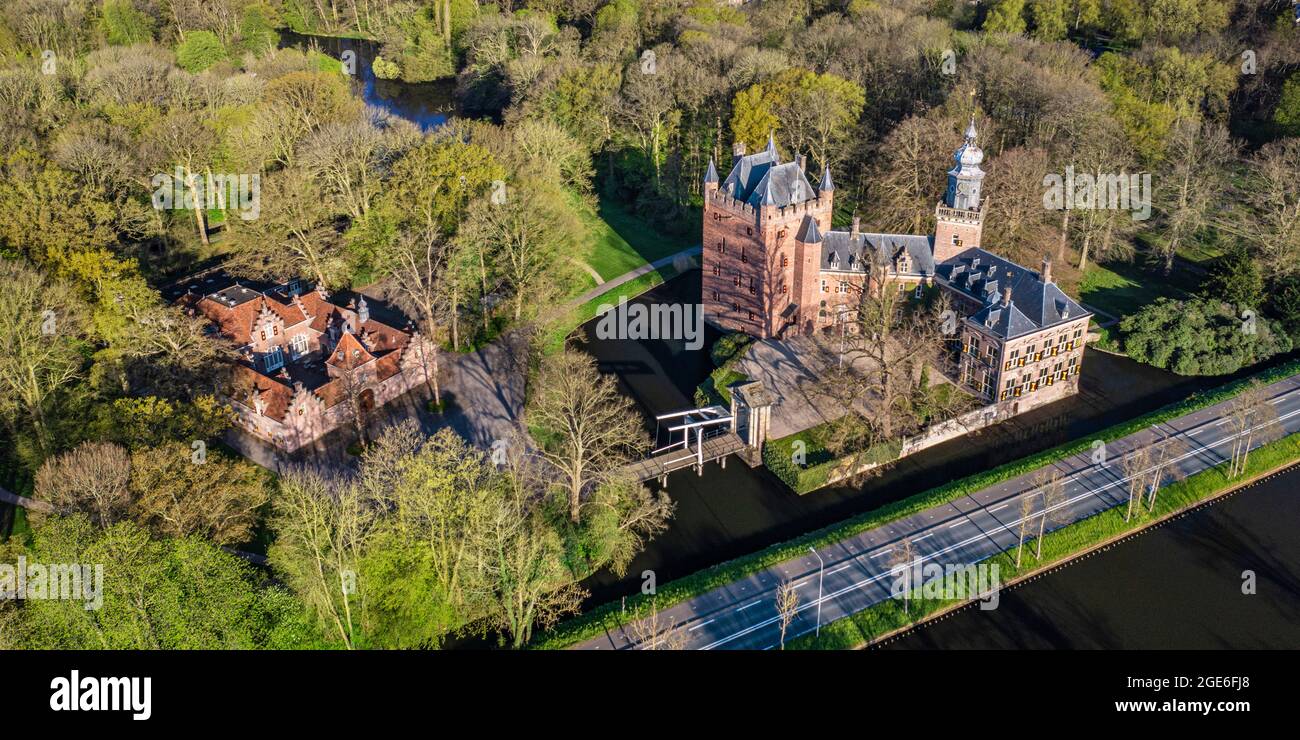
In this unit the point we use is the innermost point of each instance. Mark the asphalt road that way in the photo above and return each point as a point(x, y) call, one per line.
point(742, 615)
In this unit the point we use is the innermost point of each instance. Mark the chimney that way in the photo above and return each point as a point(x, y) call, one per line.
point(857, 224)
point(1006, 296)
point(738, 149)
point(1047, 269)
point(801, 160)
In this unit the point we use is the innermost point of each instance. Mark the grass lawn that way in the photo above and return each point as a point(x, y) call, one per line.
point(1123, 289)
point(619, 242)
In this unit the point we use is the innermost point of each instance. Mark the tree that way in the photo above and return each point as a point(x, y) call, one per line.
point(1136, 467)
point(1165, 454)
point(1270, 219)
point(526, 234)
point(322, 526)
point(1025, 524)
point(293, 235)
point(520, 561)
point(787, 606)
point(902, 563)
point(1051, 492)
point(417, 265)
point(1200, 337)
point(1006, 16)
point(124, 25)
point(174, 594)
point(41, 327)
point(1251, 416)
point(592, 429)
point(1197, 155)
point(815, 113)
point(1287, 113)
point(92, 479)
point(657, 632)
point(181, 491)
point(199, 50)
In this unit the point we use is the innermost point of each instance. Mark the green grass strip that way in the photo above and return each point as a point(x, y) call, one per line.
point(611, 616)
point(861, 628)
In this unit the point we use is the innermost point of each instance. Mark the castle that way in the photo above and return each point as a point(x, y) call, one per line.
point(306, 365)
point(773, 267)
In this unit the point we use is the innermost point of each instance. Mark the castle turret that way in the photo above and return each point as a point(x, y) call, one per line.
point(959, 217)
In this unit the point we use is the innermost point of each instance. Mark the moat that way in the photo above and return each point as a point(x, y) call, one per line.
point(726, 513)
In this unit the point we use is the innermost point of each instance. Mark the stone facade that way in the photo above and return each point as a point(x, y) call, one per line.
point(307, 365)
point(773, 267)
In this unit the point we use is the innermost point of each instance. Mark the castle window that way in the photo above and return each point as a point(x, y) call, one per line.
point(751, 315)
point(823, 286)
point(785, 261)
point(743, 257)
point(785, 289)
point(717, 270)
point(749, 230)
point(735, 307)
point(737, 281)
point(723, 247)
point(274, 359)
point(298, 345)
point(919, 291)
point(275, 330)
point(956, 242)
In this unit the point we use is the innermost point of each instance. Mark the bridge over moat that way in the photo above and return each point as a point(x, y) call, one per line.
point(697, 436)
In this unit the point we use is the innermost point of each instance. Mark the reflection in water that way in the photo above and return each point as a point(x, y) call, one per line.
point(730, 512)
point(1175, 587)
point(426, 104)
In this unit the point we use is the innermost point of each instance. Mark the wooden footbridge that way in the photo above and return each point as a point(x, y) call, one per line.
point(697, 436)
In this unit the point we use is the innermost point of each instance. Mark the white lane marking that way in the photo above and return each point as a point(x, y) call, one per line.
point(957, 523)
point(1003, 528)
point(918, 539)
point(881, 554)
point(837, 570)
point(999, 508)
point(701, 624)
point(746, 606)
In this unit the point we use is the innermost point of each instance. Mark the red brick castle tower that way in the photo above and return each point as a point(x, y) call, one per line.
point(752, 265)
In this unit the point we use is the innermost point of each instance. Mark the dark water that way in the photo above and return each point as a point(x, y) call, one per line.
point(728, 513)
point(1175, 587)
point(426, 104)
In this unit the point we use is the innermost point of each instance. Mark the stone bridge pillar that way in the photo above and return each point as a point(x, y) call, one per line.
point(751, 413)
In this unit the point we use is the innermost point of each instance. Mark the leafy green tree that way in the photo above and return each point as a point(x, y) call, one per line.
point(815, 113)
point(1237, 280)
point(1287, 113)
point(180, 594)
point(125, 25)
point(180, 491)
point(1200, 337)
point(1006, 16)
point(1051, 19)
point(199, 50)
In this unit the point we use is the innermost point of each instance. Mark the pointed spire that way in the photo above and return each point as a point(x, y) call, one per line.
point(970, 129)
point(711, 176)
point(771, 143)
point(826, 185)
point(808, 231)
point(768, 198)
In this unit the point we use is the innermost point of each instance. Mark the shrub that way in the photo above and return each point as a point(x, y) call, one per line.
point(199, 50)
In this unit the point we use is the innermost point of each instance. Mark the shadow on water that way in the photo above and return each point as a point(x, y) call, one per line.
point(1180, 588)
point(734, 511)
point(426, 104)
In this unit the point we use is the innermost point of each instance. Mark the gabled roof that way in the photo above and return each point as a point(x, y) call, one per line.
point(1035, 305)
point(349, 353)
point(855, 252)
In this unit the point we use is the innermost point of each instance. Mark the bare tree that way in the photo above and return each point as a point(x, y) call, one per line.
point(1164, 456)
point(417, 265)
point(1025, 525)
point(92, 478)
point(1136, 469)
point(657, 632)
point(787, 606)
point(593, 427)
point(1198, 152)
point(1251, 416)
point(904, 554)
point(1051, 491)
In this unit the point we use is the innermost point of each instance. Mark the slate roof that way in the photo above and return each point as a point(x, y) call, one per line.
point(1035, 305)
point(844, 252)
point(759, 179)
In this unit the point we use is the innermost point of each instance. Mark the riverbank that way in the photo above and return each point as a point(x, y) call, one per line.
point(612, 616)
point(1061, 547)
